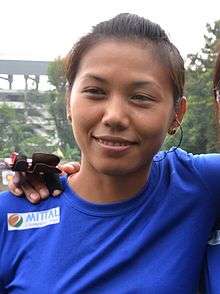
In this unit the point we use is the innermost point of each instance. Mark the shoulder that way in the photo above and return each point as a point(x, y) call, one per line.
point(177, 166)
point(175, 160)
point(199, 169)
point(17, 213)
point(8, 200)
point(207, 166)
point(178, 157)
point(10, 204)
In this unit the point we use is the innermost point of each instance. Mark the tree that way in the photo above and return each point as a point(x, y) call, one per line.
point(200, 134)
point(205, 59)
point(56, 75)
point(57, 108)
point(17, 135)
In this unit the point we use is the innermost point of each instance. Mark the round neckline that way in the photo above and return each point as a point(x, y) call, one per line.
point(110, 209)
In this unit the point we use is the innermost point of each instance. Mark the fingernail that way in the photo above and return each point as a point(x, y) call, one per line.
point(44, 193)
point(18, 191)
point(56, 192)
point(34, 196)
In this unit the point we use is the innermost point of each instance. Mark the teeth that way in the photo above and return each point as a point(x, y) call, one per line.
point(111, 143)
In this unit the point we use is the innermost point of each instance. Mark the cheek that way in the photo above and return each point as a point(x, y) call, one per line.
point(85, 112)
point(77, 119)
point(78, 126)
point(154, 125)
point(83, 120)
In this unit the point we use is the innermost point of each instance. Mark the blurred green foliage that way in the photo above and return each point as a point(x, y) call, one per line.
point(199, 128)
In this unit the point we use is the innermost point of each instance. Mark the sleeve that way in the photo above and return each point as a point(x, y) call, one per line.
point(212, 265)
point(208, 167)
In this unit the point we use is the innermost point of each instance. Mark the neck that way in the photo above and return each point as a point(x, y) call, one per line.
point(102, 188)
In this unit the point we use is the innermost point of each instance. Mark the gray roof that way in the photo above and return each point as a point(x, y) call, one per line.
point(22, 67)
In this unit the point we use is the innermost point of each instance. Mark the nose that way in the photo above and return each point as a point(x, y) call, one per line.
point(116, 114)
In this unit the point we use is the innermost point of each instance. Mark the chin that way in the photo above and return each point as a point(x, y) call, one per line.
point(118, 170)
point(113, 172)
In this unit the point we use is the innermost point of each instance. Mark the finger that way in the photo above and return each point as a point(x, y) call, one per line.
point(18, 178)
point(38, 184)
point(14, 189)
point(53, 183)
point(70, 167)
point(30, 193)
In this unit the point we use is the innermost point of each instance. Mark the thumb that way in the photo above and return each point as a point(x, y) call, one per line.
point(69, 168)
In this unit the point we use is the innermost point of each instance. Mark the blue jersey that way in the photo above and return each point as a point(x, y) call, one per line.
point(212, 264)
point(154, 242)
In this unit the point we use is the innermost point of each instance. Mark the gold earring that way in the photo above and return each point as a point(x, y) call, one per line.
point(172, 131)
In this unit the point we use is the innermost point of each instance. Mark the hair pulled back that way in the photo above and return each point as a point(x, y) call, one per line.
point(216, 77)
point(131, 27)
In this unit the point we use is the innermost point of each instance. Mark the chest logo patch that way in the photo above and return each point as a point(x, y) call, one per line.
point(31, 220)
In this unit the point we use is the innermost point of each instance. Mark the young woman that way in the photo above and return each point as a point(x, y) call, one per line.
point(212, 268)
point(132, 220)
point(216, 82)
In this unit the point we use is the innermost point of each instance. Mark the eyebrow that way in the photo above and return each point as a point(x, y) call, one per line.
point(145, 83)
point(134, 83)
point(94, 77)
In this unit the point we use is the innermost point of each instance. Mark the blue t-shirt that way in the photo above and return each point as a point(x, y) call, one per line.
point(212, 264)
point(152, 243)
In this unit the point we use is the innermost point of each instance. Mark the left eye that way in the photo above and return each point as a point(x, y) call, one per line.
point(141, 98)
point(94, 91)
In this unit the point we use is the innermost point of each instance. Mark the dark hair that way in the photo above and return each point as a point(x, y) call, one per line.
point(216, 88)
point(216, 77)
point(131, 27)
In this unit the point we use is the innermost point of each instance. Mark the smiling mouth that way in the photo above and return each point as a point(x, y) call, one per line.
point(111, 143)
point(114, 144)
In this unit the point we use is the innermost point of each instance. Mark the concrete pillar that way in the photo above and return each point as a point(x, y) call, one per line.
point(10, 80)
point(37, 80)
point(26, 82)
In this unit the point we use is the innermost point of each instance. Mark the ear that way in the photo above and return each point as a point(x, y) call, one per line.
point(68, 95)
point(180, 111)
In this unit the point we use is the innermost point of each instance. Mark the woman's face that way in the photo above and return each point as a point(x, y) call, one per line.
point(121, 107)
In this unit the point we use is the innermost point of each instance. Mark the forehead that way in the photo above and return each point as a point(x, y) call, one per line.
point(126, 60)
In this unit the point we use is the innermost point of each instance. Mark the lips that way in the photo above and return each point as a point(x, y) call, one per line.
point(113, 141)
point(110, 143)
point(114, 144)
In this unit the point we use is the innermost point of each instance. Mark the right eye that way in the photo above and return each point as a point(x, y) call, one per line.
point(94, 92)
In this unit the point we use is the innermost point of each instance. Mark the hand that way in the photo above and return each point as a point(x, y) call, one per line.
point(33, 186)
